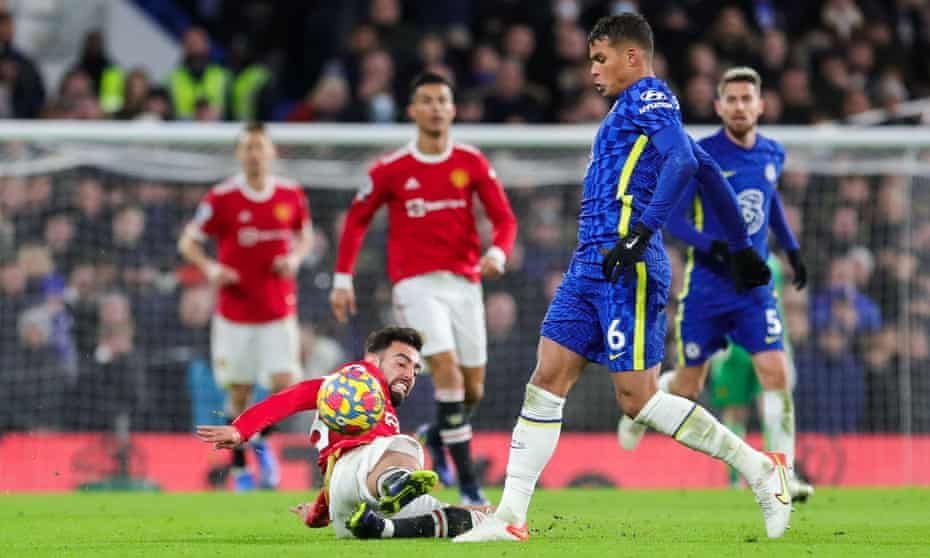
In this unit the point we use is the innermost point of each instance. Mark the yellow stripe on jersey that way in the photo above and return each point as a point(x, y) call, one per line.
point(639, 326)
point(626, 201)
point(686, 285)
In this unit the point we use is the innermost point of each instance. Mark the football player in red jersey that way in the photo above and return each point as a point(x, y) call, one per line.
point(381, 469)
point(435, 262)
point(261, 226)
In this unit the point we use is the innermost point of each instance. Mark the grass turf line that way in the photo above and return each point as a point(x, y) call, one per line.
point(575, 522)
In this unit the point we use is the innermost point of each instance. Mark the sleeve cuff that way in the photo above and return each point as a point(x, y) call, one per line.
point(498, 255)
point(342, 280)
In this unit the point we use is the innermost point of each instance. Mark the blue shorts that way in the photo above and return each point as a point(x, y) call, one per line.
point(620, 325)
point(756, 327)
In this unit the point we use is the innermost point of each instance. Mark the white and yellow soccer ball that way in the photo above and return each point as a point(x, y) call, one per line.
point(350, 401)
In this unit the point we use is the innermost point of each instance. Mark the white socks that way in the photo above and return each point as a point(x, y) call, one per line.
point(533, 443)
point(778, 422)
point(693, 426)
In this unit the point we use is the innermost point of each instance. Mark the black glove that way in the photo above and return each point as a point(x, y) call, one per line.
point(720, 252)
point(749, 269)
point(800, 271)
point(626, 252)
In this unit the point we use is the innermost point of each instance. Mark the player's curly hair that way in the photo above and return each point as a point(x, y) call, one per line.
point(381, 339)
point(627, 26)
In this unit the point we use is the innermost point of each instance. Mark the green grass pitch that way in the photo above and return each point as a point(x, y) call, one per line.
point(566, 523)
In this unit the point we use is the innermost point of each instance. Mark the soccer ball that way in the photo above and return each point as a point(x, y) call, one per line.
point(350, 401)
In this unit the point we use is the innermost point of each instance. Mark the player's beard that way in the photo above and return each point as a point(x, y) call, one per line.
point(396, 398)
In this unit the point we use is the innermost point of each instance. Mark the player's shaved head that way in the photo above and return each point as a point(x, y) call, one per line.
point(625, 27)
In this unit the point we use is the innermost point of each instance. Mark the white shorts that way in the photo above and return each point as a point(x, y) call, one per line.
point(252, 353)
point(448, 311)
point(348, 485)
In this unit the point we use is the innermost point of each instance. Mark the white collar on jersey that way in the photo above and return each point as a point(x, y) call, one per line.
point(428, 158)
point(255, 195)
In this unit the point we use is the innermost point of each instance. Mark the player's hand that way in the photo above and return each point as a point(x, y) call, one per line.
point(749, 269)
point(220, 274)
point(800, 270)
point(286, 265)
point(342, 301)
point(222, 437)
point(720, 252)
point(626, 252)
point(490, 267)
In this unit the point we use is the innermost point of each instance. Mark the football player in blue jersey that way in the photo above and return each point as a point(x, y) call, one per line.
point(711, 308)
point(610, 306)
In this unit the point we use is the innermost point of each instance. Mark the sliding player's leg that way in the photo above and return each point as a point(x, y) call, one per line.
point(424, 517)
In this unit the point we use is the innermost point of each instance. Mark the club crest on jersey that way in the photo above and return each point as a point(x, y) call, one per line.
point(459, 178)
point(751, 202)
point(653, 95)
point(770, 174)
point(692, 350)
point(283, 212)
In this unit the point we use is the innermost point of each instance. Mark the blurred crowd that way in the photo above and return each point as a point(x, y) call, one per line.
point(511, 60)
point(99, 317)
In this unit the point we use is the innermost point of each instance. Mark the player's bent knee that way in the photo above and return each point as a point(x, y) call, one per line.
point(474, 393)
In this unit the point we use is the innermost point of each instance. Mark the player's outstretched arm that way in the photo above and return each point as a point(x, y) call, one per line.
point(786, 240)
point(275, 408)
point(721, 196)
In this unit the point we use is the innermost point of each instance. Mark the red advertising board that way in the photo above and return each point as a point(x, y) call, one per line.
point(178, 462)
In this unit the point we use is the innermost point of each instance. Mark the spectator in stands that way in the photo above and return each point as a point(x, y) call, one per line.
point(842, 18)
point(113, 382)
point(20, 81)
point(830, 391)
point(157, 106)
point(698, 105)
point(510, 100)
point(395, 35)
point(797, 100)
point(132, 255)
point(107, 78)
point(831, 84)
point(252, 90)
point(732, 38)
point(773, 57)
point(59, 238)
point(844, 229)
point(14, 298)
point(485, 62)
point(702, 61)
point(81, 298)
point(882, 368)
point(841, 305)
point(855, 102)
point(328, 101)
point(92, 219)
point(375, 91)
point(134, 95)
point(33, 381)
point(76, 98)
point(197, 78)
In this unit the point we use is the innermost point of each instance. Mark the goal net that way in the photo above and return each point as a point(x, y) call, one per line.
point(103, 329)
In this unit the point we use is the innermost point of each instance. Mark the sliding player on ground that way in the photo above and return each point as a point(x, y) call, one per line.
point(378, 470)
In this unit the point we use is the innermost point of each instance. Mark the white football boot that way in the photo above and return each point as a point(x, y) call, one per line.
point(773, 494)
point(629, 433)
point(494, 529)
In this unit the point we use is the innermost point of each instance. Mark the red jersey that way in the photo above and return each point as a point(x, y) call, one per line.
point(302, 397)
point(430, 200)
point(252, 229)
